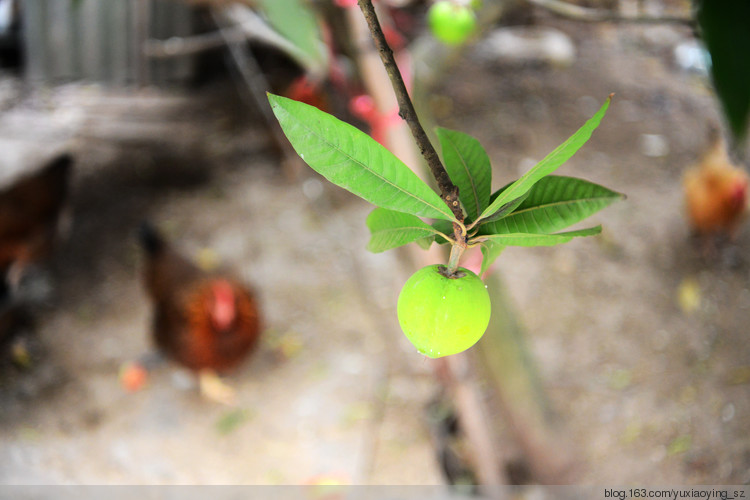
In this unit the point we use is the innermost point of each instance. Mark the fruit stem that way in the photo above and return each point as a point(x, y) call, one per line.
point(447, 238)
point(457, 249)
point(471, 226)
point(461, 228)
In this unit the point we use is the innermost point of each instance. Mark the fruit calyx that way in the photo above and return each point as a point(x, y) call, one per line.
point(458, 273)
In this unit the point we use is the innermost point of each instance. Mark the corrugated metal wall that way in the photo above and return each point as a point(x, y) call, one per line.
point(102, 40)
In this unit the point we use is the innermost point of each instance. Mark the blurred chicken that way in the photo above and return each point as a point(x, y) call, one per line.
point(30, 213)
point(12, 318)
point(207, 322)
point(715, 194)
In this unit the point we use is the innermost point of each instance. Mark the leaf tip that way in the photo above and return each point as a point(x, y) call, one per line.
point(273, 99)
point(611, 96)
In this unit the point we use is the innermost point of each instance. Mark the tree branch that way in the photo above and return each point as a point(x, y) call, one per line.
point(578, 13)
point(448, 190)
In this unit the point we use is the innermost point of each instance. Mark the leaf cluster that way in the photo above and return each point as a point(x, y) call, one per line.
point(530, 211)
point(724, 27)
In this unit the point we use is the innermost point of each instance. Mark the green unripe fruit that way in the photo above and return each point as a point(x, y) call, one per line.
point(441, 315)
point(451, 23)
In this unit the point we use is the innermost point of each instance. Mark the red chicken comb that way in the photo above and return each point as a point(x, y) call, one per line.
point(223, 310)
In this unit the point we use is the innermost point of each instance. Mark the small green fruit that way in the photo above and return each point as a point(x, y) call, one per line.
point(442, 315)
point(450, 22)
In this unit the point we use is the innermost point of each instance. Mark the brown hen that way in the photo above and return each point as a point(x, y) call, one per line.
point(29, 215)
point(715, 193)
point(207, 322)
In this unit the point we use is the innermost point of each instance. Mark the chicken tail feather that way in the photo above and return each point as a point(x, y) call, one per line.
point(61, 164)
point(151, 241)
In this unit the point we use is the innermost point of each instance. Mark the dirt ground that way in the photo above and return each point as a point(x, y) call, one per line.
point(639, 340)
point(315, 401)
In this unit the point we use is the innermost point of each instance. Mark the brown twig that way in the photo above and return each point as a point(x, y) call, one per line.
point(448, 190)
point(585, 14)
point(249, 72)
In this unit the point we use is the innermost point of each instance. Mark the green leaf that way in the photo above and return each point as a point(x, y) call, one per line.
point(507, 208)
point(445, 227)
point(538, 240)
point(391, 229)
point(425, 243)
point(351, 159)
point(554, 203)
point(549, 164)
point(468, 167)
point(680, 444)
point(490, 252)
point(233, 419)
point(725, 27)
point(301, 29)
